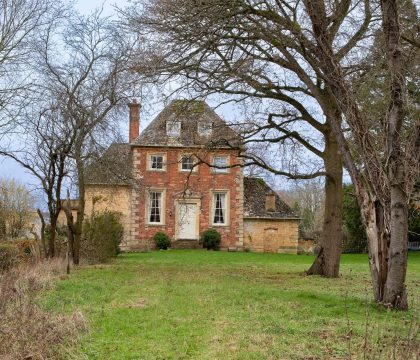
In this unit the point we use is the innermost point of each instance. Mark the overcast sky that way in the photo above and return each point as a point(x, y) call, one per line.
point(153, 106)
point(8, 168)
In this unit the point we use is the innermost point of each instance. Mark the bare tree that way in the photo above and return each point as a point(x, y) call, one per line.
point(308, 197)
point(15, 209)
point(91, 82)
point(45, 155)
point(320, 44)
point(384, 183)
point(211, 48)
point(21, 21)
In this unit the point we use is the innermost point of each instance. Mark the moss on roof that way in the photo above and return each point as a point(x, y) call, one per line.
point(193, 105)
point(255, 192)
point(190, 113)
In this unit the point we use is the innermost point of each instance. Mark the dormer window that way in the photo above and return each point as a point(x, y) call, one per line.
point(173, 128)
point(204, 128)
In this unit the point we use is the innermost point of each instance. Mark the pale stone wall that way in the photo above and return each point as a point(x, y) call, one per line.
point(306, 246)
point(101, 198)
point(62, 218)
point(271, 235)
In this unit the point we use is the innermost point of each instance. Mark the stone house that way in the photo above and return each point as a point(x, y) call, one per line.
point(182, 175)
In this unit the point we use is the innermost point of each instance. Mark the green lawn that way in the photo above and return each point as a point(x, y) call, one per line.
point(219, 305)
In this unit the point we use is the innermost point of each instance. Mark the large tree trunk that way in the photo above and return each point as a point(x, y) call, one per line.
point(386, 229)
point(395, 292)
point(374, 218)
point(327, 262)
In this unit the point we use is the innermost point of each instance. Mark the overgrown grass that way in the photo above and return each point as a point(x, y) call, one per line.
point(219, 305)
point(26, 330)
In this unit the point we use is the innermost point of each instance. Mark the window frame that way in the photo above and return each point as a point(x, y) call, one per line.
point(148, 214)
point(169, 124)
point(221, 170)
point(208, 127)
point(195, 165)
point(226, 207)
point(150, 162)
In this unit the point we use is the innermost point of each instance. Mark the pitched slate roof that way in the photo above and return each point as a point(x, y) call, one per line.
point(190, 113)
point(255, 192)
point(112, 168)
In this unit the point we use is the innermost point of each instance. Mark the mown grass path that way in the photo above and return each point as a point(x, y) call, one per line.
point(219, 305)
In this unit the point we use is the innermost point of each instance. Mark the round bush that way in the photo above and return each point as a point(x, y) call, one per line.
point(102, 235)
point(162, 240)
point(211, 239)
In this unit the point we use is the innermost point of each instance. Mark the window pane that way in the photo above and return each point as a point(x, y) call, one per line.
point(220, 161)
point(173, 128)
point(219, 208)
point(155, 207)
point(204, 129)
point(156, 162)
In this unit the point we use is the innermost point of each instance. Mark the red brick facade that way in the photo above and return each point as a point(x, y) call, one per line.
point(178, 186)
point(146, 181)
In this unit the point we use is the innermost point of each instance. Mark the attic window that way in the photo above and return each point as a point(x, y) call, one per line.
point(173, 128)
point(204, 129)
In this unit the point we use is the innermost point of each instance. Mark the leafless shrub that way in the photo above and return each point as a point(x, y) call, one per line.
point(26, 330)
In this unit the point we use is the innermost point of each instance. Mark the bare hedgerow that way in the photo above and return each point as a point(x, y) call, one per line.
point(26, 330)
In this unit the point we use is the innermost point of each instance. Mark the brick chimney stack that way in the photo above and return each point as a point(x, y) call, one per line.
point(134, 120)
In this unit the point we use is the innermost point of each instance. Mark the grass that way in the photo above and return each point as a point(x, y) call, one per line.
point(219, 305)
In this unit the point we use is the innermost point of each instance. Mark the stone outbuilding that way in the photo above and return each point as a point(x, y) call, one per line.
point(270, 225)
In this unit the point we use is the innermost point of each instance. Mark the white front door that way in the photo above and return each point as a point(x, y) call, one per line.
point(187, 221)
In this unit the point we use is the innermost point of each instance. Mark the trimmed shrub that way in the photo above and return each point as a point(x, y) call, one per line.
point(211, 239)
point(162, 240)
point(9, 256)
point(102, 235)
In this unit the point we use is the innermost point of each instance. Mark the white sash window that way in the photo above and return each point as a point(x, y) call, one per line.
point(155, 207)
point(219, 209)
